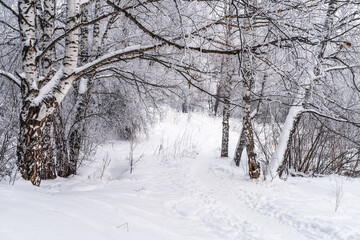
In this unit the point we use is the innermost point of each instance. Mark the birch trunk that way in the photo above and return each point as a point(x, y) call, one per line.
point(254, 166)
point(77, 131)
point(240, 146)
point(284, 142)
point(227, 71)
point(45, 29)
point(225, 129)
point(71, 43)
point(62, 167)
point(27, 149)
point(36, 108)
point(216, 105)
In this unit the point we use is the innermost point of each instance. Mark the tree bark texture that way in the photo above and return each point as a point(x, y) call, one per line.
point(225, 129)
point(28, 145)
point(241, 145)
point(45, 19)
point(254, 165)
point(34, 146)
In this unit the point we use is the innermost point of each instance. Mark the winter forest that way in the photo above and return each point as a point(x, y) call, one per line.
point(179, 119)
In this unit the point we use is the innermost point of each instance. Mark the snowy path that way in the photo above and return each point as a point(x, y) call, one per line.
point(242, 209)
point(179, 190)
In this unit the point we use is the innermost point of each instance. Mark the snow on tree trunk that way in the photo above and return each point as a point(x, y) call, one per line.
point(62, 81)
point(278, 157)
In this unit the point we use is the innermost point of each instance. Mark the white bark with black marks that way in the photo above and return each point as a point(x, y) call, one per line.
point(33, 147)
point(227, 72)
point(225, 129)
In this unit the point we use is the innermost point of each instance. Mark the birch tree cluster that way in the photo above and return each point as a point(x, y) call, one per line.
point(74, 73)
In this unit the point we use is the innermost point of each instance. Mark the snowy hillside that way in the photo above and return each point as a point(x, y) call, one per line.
point(180, 190)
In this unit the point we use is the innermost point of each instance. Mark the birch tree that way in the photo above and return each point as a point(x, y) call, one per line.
point(313, 85)
point(42, 93)
point(227, 72)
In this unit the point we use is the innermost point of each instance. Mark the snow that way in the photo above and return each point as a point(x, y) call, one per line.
point(48, 88)
point(83, 85)
point(82, 2)
point(180, 189)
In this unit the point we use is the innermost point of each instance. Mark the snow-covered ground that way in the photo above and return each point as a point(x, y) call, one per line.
point(180, 189)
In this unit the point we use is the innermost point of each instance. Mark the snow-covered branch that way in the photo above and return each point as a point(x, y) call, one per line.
point(11, 77)
point(340, 68)
point(116, 54)
point(335, 118)
point(48, 89)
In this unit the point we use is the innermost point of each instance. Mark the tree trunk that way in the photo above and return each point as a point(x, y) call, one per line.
point(254, 166)
point(283, 145)
point(62, 159)
point(77, 131)
point(285, 161)
point(30, 131)
point(45, 28)
point(48, 165)
point(354, 171)
point(217, 99)
point(240, 145)
point(33, 146)
point(225, 129)
point(227, 73)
